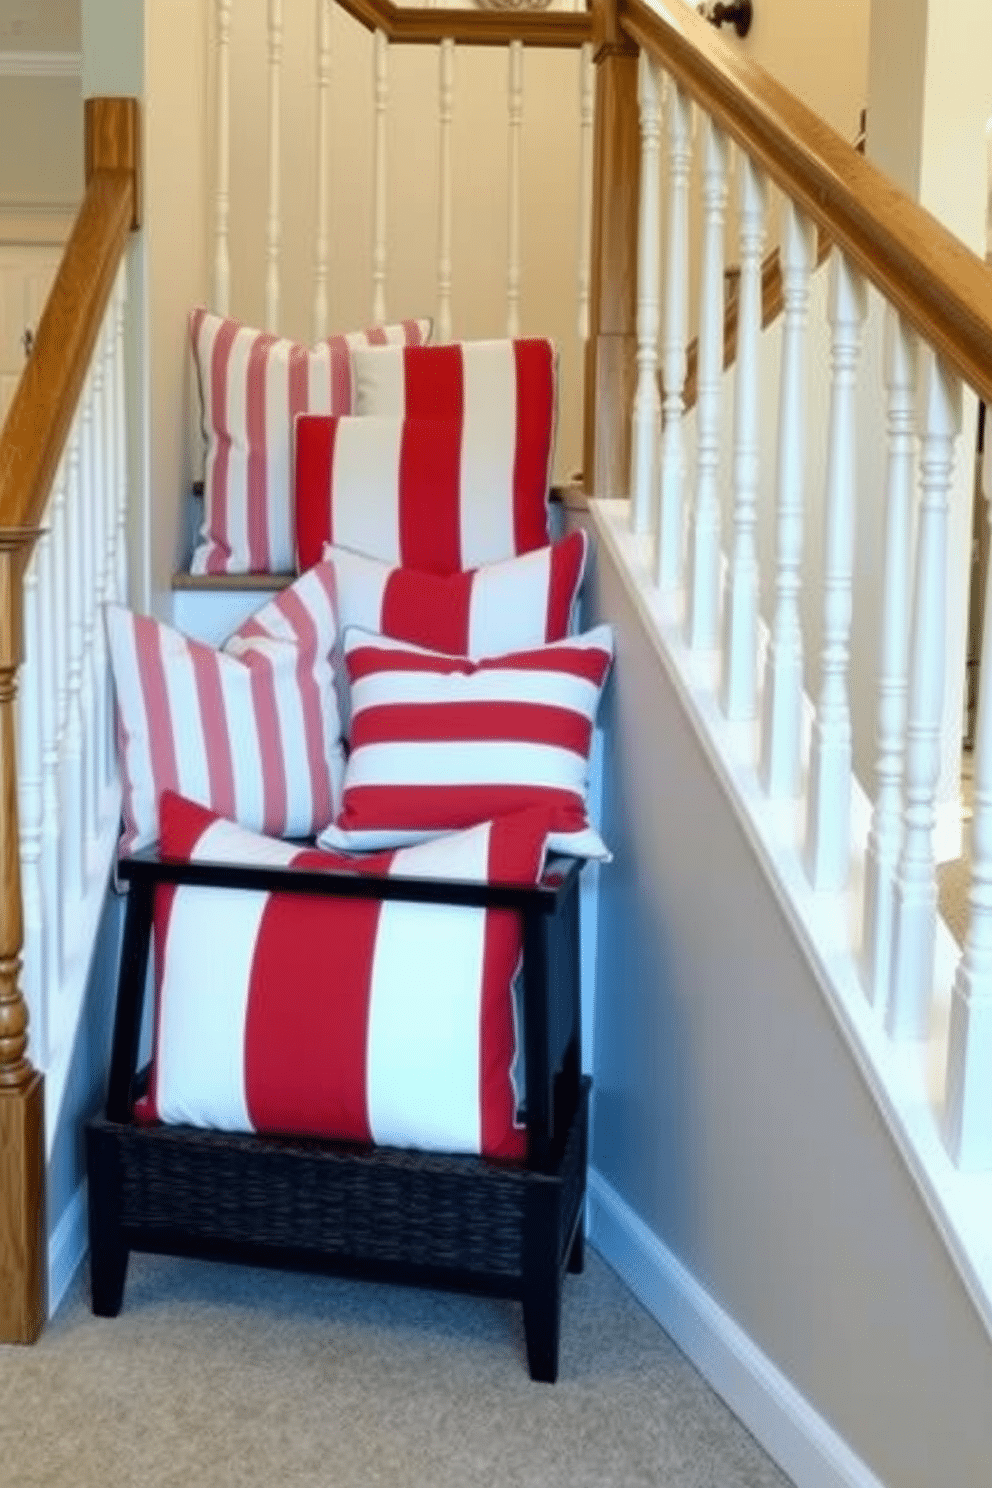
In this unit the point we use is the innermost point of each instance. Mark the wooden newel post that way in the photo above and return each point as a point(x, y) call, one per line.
point(23, 1239)
point(611, 350)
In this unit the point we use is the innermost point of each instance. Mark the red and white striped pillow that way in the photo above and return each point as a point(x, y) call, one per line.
point(338, 1017)
point(525, 601)
point(251, 730)
point(438, 743)
point(252, 386)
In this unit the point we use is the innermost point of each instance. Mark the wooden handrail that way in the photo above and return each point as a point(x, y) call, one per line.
point(31, 445)
point(941, 288)
point(423, 27)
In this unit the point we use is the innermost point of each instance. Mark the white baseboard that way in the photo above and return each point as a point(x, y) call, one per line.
point(67, 1248)
point(793, 1434)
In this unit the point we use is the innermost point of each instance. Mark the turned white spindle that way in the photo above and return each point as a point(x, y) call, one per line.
point(828, 829)
point(60, 621)
point(669, 557)
point(222, 187)
point(74, 800)
point(515, 112)
point(968, 1108)
point(703, 606)
point(321, 236)
point(885, 833)
point(29, 807)
point(51, 897)
point(87, 485)
point(646, 432)
point(108, 589)
point(381, 87)
point(739, 687)
point(781, 745)
point(915, 907)
point(587, 97)
point(446, 94)
point(273, 223)
point(123, 587)
point(96, 650)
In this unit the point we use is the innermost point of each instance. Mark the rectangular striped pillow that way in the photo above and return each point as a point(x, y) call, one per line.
point(521, 602)
point(439, 743)
point(505, 396)
point(337, 1017)
point(252, 385)
point(251, 730)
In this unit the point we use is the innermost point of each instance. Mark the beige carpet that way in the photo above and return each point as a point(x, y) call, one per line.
point(226, 1376)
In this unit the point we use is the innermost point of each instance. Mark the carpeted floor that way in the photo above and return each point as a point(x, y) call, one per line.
point(218, 1375)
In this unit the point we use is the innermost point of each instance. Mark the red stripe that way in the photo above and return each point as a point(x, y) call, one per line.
point(216, 736)
point(588, 662)
point(427, 808)
point(411, 333)
point(434, 382)
point(376, 336)
point(429, 494)
point(535, 381)
point(482, 722)
point(369, 661)
point(218, 475)
point(566, 567)
point(315, 437)
point(158, 712)
point(428, 610)
point(258, 468)
point(311, 704)
point(340, 375)
point(270, 750)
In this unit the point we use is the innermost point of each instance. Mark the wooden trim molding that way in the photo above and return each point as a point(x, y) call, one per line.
point(941, 288)
point(423, 27)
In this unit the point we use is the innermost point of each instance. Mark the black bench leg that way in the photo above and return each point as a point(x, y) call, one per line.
point(577, 1253)
point(542, 1283)
point(108, 1253)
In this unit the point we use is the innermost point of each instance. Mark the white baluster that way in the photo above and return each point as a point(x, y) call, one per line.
point(915, 916)
point(29, 806)
point(587, 96)
point(828, 831)
point(515, 101)
point(885, 833)
point(740, 613)
point(646, 431)
point(446, 93)
point(87, 696)
point(75, 798)
point(45, 663)
point(379, 184)
point(120, 304)
point(222, 205)
point(109, 500)
point(781, 766)
point(703, 608)
point(968, 1109)
point(670, 521)
point(321, 239)
point(94, 518)
point(60, 622)
point(273, 231)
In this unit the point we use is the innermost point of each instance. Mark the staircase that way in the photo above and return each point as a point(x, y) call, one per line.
point(792, 1140)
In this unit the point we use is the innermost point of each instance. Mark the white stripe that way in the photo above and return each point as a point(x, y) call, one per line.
point(379, 380)
point(365, 484)
point(490, 763)
point(599, 638)
point(184, 716)
point(555, 689)
point(236, 493)
point(242, 730)
point(318, 384)
point(292, 735)
point(277, 513)
point(361, 587)
point(131, 706)
point(226, 842)
point(489, 444)
point(425, 1009)
point(508, 600)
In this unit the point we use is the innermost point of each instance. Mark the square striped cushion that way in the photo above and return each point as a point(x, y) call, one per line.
point(337, 1017)
point(499, 607)
point(439, 743)
point(251, 730)
point(252, 386)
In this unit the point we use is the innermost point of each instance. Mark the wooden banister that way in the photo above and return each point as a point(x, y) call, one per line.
point(423, 27)
point(31, 445)
point(941, 288)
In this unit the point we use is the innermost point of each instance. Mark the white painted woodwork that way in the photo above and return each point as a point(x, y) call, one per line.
point(646, 430)
point(26, 274)
point(669, 556)
point(120, 305)
point(915, 909)
point(703, 604)
point(29, 787)
point(74, 847)
point(515, 113)
point(51, 899)
point(321, 234)
point(968, 1109)
point(885, 832)
point(94, 516)
point(828, 827)
point(108, 588)
point(587, 101)
point(381, 95)
point(88, 611)
point(222, 159)
point(273, 221)
point(781, 740)
point(446, 94)
point(739, 682)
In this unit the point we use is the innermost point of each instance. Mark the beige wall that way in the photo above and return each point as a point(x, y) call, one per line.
point(41, 141)
point(818, 49)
